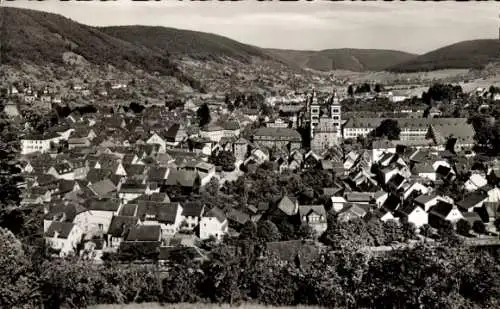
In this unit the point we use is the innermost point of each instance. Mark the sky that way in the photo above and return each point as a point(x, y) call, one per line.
point(416, 27)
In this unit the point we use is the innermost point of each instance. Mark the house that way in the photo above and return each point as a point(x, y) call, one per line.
point(156, 139)
point(103, 188)
point(213, 224)
point(38, 143)
point(78, 142)
point(492, 203)
point(97, 218)
point(314, 216)
point(444, 211)
point(119, 228)
point(338, 203)
point(442, 128)
point(473, 201)
point(192, 213)
point(380, 197)
point(354, 211)
point(359, 197)
point(212, 132)
point(62, 171)
point(475, 182)
point(381, 214)
point(205, 171)
point(158, 174)
point(388, 172)
point(426, 201)
point(142, 243)
point(257, 156)
point(188, 180)
point(413, 187)
point(67, 186)
point(289, 205)
point(135, 171)
point(396, 182)
point(141, 232)
point(414, 214)
point(11, 110)
point(424, 170)
point(63, 237)
point(175, 135)
point(130, 190)
point(166, 215)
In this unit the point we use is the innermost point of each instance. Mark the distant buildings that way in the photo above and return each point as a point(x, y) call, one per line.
point(417, 129)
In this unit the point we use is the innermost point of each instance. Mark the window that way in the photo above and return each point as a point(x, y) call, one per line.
point(335, 111)
point(101, 227)
point(315, 110)
point(336, 117)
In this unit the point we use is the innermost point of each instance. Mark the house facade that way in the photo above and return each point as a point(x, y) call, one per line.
point(213, 224)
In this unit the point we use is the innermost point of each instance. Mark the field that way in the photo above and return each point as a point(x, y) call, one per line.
point(389, 77)
point(195, 306)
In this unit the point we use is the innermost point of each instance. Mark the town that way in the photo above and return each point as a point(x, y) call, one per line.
point(114, 181)
point(141, 183)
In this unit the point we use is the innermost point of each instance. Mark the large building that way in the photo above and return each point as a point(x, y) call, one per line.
point(326, 131)
point(280, 138)
point(416, 129)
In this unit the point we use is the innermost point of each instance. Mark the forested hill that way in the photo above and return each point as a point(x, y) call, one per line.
point(474, 54)
point(197, 45)
point(344, 59)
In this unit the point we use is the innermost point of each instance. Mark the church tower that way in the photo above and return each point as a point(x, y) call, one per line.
point(314, 112)
point(336, 114)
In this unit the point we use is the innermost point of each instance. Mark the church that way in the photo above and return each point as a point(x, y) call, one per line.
point(325, 129)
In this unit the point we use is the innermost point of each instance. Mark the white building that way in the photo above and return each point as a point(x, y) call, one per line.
point(97, 218)
point(213, 224)
point(63, 236)
point(38, 143)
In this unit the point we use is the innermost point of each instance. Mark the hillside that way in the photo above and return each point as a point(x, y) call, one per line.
point(474, 54)
point(39, 38)
point(196, 45)
point(43, 38)
point(356, 60)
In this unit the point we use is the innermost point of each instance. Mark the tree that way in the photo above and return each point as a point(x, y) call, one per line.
point(268, 231)
point(18, 287)
point(203, 114)
point(182, 285)
point(463, 227)
point(497, 224)
point(10, 194)
point(378, 88)
point(136, 107)
point(350, 90)
point(388, 128)
point(479, 227)
point(364, 88)
point(249, 231)
point(450, 144)
point(224, 159)
point(305, 231)
point(447, 233)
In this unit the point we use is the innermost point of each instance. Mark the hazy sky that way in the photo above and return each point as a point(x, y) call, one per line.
point(409, 26)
